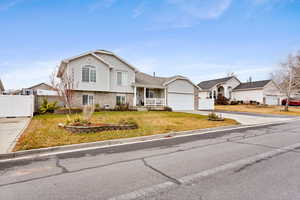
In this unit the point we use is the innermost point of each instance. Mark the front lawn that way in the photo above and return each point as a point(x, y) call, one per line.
point(43, 130)
point(278, 110)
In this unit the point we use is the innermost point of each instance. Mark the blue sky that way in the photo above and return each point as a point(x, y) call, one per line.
point(201, 39)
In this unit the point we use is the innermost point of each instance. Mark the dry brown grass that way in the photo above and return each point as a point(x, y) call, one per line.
point(43, 130)
point(278, 110)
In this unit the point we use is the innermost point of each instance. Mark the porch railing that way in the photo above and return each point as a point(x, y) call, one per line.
point(155, 102)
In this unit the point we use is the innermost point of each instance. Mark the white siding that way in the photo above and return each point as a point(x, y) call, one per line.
point(102, 74)
point(105, 77)
point(181, 86)
point(118, 65)
point(271, 89)
point(248, 95)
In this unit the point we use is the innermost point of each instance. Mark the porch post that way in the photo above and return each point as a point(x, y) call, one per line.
point(134, 96)
point(144, 96)
point(165, 96)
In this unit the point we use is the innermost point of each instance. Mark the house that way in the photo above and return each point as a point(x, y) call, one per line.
point(1, 87)
point(41, 91)
point(264, 92)
point(101, 77)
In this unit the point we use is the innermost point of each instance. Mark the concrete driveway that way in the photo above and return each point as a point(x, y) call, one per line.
point(10, 131)
point(247, 118)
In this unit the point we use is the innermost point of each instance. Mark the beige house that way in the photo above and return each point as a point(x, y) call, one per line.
point(101, 77)
point(264, 92)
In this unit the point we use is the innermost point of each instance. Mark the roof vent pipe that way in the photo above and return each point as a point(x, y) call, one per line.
point(154, 74)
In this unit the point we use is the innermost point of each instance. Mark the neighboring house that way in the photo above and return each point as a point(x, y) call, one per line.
point(41, 91)
point(103, 78)
point(1, 87)
point(264, 92)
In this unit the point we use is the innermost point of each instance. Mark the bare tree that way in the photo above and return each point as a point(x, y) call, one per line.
point(64, 87)
point(288, 77)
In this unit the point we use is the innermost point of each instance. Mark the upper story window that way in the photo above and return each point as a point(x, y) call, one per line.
point(122, 78)
point(89, 74)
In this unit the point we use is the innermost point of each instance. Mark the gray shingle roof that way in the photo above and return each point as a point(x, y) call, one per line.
point(205, 85)
point(252, 85)
point(146, 79)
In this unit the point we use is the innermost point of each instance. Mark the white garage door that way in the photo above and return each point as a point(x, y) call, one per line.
point(272, 100)
point(181, 101)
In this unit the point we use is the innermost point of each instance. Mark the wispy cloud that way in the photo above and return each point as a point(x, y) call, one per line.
point(204, 9)
point(7, 4)
point(184, 14)
point(139, 10)
point(100, 4)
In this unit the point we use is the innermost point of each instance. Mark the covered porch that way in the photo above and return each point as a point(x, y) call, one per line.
point(149, 96)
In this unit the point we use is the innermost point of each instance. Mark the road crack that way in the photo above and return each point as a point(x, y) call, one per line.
point(63, 168)
point(174, 180)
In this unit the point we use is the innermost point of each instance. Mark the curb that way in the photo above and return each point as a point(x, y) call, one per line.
point(30, 154)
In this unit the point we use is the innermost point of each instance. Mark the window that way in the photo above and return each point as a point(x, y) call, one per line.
point(121, 78)
point(210, 95)
point(121, 100)
point(87, 100)
point(85, 74)
point(89, 74)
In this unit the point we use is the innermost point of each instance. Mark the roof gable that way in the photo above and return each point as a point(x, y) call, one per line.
point(94, 54)
point(205, 85)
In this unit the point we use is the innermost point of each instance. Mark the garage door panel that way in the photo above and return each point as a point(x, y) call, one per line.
point(179, 101)
point(272, 100)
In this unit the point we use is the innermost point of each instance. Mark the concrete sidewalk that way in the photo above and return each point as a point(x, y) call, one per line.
point(247, 119)
point(10, 131)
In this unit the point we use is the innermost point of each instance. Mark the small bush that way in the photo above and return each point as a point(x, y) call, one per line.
point(214, 117)
point(222, 101)
point(47, 107)
point(234, 103)
point(77, 121)
point(169, 109)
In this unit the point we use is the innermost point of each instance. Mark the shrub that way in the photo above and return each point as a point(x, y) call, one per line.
point(222, 100)
point(47, 107)
point(169, 109)
point(214, 117)
point(234, 102)
point(77, 121)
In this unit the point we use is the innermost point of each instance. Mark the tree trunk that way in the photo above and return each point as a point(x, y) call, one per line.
point(286, 107)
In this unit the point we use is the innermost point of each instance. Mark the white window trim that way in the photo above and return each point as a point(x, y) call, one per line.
point(121, 95)
point(125, 83)
point(90, 67)
point(89, 96)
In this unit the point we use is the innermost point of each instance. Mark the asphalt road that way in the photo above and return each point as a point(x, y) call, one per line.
point(248, 164)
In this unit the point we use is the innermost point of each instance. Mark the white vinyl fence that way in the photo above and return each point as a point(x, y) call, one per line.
point(206, 104)
point(16, 105)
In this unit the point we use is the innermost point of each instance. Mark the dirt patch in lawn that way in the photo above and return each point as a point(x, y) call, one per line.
point(277, 110)
point(43, 130)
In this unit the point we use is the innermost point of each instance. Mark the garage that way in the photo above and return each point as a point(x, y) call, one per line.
point(272, 100)
point(179, 101)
